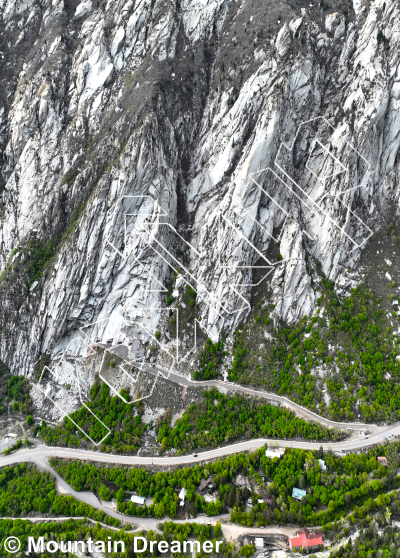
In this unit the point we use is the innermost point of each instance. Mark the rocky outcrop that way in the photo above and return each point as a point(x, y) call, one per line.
point(120, 117)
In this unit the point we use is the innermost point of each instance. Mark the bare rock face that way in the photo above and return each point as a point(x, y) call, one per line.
point(147, 142)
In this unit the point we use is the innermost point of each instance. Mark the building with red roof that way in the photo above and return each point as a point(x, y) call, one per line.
point(305, 539)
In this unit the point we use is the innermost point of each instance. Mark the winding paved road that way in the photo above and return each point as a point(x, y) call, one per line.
point(175, 377)
point(40, 453)
point(39, 456)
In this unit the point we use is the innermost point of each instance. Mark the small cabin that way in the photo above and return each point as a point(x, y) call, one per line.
point(138, 500)
point(298, 493)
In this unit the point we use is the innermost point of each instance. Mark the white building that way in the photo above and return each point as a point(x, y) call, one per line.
point(209, 498)
point(258, 543)
point(138, 500)
point(271, 453)
point(182, 494)
point(322, 464)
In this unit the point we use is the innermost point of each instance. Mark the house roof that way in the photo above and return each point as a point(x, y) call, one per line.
point(306, 532)
point(305, 540)
point(274, 453)
point(298, 493)
point(303, 531)
point(209, 498)
point(138, 499)
point(203, 484)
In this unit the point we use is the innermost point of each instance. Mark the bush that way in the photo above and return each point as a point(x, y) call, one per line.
point(18, 389)
point(104, 493)
point(210, 360)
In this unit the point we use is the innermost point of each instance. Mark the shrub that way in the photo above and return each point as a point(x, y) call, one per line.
point(104, 493)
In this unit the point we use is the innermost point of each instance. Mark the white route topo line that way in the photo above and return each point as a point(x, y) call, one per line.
point(151, 228)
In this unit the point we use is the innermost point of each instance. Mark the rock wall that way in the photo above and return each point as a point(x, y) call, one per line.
point(132, 108)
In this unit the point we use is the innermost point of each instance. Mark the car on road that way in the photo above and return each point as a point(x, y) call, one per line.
point(195, 455)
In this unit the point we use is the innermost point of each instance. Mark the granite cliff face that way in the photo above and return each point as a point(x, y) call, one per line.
point(126, 123)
